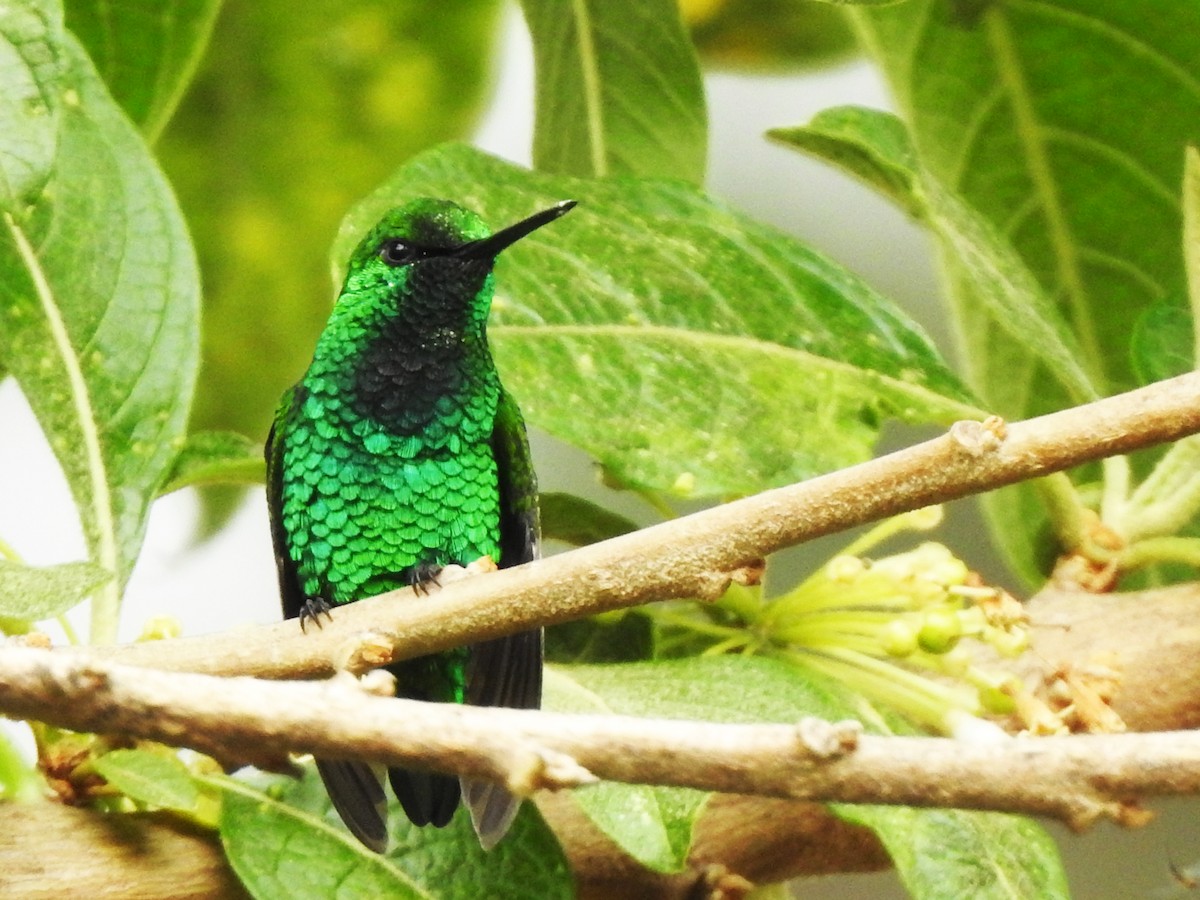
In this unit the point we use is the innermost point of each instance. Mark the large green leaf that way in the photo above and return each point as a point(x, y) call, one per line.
point(156, 777)
point(618, 89)
point(284, 841)
point(297, 111)
point(32, 593)
point(216, 457)
point(1064, 125)
point(684, 345)
point(280, 851)
point(1017, 344)
point(654, 824)
point(875, 146)
point(33, 73)
point(146, 53)
point(100, 322)
point(579, 522)
point(950, 854)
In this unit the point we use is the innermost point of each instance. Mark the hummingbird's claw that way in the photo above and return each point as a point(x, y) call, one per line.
point(312, 610)
point(422, 575)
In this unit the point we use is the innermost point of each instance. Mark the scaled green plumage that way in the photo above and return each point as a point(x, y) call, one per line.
point(399, 453)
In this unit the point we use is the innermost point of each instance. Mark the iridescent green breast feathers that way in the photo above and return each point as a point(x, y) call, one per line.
point(398, 453)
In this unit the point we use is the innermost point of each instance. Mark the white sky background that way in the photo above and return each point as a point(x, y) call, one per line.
point(230, 580)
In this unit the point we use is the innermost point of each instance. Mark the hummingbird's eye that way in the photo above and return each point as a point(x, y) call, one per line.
point(397, 253)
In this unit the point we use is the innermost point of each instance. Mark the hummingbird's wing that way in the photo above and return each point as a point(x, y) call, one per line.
point(356, 790)
point(507, 671)
point(354, 787)
point(290, 591)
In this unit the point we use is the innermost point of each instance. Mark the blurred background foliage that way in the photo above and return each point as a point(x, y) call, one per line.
point(279, 135)
point(297, 111)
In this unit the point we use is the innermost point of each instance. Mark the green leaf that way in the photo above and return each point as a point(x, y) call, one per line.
point(579, 522)
point(297, 111)
point(950, 854)
point(607, 638)
point(33, 593)
point(152, 777)
point(1191, 240)
point(146, 55)
point(528, 861)
point(285, 842)
point(279, 851)
point(654, 824)
point(1074, 157)
point(216, 457)
point(875, 147)
point(33, 81)
point(103, 339)
point(19, 780)
point(731, 358)
point(1018, 347)
point(618, 89)
point(1162, 341)
point(869, 144)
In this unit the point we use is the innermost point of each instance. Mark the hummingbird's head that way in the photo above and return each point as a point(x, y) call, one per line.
point(410, 323)
point(448, 237)
point(427, 267)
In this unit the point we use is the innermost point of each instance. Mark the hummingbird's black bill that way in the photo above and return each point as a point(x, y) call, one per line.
point(490, 247)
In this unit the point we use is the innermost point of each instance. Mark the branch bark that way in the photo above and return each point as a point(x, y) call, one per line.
point(1077, 779)
point(693, 556)
point(49, 851)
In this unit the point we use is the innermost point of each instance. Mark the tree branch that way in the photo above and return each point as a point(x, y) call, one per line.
point(694, 556)
point(49, 851)
point(1077, 779)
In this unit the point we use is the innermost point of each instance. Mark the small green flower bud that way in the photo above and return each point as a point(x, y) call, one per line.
point(898, 638)
point(1008, 641)
point(940, 630)
point(956, 663)
point(996, 700)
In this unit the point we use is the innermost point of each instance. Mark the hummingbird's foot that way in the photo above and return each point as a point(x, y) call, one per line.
point(422, 575)
point(312, 610)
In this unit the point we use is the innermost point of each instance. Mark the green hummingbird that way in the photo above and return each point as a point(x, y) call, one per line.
point(396, 454)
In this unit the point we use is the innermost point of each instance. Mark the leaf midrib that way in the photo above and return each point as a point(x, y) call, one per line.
point(738, 342)
point(1030, 134)
point(101, 500)
point(592, 101)
point(233, 786)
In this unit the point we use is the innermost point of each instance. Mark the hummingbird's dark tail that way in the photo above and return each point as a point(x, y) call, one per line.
point(357, 794)
point(428, 798)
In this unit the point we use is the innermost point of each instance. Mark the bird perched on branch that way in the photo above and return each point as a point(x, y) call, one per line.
point(396, 454)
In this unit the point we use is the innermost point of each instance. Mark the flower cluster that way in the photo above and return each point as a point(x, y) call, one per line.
point(909, 629)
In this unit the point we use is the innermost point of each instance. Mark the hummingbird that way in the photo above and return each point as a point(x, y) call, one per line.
point(399, 453)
